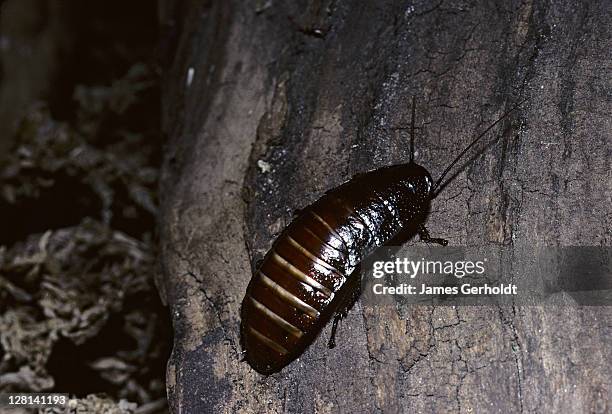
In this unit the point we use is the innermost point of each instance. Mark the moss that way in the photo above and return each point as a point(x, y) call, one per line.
point(79, 311)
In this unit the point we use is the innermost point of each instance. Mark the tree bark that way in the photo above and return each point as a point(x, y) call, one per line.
point(264, 114)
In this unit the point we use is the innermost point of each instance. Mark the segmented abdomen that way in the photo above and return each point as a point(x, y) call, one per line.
point(299, 284)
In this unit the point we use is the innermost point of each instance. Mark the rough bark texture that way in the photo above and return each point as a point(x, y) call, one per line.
point(262, 118)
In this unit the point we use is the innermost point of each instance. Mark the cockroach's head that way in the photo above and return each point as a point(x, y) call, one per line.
point(419, 181)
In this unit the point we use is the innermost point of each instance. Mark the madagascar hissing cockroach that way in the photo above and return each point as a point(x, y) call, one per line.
point(311, 272)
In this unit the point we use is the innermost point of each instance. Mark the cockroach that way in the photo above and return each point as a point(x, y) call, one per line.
point(312, 273)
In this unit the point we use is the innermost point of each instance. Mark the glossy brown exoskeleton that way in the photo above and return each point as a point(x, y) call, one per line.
point(311, 272)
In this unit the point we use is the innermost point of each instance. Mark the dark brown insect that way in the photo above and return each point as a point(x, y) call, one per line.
point(311, 272)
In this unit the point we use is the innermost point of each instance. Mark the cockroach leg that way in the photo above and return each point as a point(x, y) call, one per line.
point(425, 237)
point(332, 339)
point(353, 293)
point(402, 236)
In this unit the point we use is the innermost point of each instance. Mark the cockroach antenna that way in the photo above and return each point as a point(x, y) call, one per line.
point(474, 142)
point(412, 131)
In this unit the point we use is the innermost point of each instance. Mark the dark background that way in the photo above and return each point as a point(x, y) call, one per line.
point(80, 151)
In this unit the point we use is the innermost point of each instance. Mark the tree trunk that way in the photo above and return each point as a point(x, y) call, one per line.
point(268, 104)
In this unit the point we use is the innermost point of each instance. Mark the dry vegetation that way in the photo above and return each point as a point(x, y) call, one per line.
point(79, 310)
